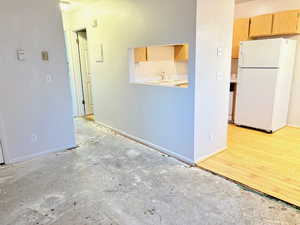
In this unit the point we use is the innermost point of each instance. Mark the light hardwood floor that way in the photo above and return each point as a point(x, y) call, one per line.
point(90, 117)
point(269, 163)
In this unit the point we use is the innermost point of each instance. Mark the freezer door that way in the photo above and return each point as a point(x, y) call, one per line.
point(261, 53)
point(255, 98)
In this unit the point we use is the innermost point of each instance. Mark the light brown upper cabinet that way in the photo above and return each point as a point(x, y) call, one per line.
point(140, 54)
point(261, 25)
point(160, 53)
point(182, 52)
point(240, 33)
point(286, 23)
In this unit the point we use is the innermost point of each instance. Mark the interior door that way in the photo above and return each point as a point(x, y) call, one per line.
point(260, 54)
point(255, 97)
point(85, 71)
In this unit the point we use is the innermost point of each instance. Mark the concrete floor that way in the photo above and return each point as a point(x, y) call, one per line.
point(110, 180)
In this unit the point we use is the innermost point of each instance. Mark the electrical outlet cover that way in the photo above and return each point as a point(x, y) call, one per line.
point(49, 78)
point(219, 51)
point(220, 76)
point(34, 138)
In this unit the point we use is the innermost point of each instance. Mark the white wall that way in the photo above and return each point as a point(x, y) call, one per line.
point(160, 115)
point(214, 30)
point(30, 105)
point(152, 70)
point(258, 7)
point(77, 110)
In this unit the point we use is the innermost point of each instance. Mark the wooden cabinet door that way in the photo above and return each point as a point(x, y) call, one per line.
point(182, 52)
point(160, 53)
point(140, 54)
point(261, 26)
point(240, 33)
point(286, 23)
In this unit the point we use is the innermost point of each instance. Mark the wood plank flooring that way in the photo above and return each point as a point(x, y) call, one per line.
point(269, 163)
point(90, 117)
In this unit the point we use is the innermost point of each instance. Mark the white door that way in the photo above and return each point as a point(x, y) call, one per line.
point(261, 53)
point(86, 74)
point(255, 98)
point(1, 153)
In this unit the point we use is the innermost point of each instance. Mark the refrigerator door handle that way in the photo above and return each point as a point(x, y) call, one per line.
point(241, 60)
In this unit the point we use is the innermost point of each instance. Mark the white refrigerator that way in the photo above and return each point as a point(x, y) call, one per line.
point(265, 75)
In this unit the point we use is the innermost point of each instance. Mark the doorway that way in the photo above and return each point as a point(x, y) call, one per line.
point(80, 73)
point(85, 77)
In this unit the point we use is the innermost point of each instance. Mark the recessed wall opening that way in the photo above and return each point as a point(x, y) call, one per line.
point(162, 65)
point(80, 73)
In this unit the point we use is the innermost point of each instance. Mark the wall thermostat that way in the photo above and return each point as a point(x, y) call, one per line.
point(45, 56)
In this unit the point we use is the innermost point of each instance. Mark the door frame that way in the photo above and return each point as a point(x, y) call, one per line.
point(81, 80)
point(3, 141)
point(85, 75)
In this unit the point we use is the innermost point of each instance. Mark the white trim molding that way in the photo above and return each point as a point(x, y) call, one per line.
point(291, 125)
point(149, 144)
point(211, 155)
point(31, 156)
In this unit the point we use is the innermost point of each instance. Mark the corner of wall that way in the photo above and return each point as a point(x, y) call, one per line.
point(214, 30)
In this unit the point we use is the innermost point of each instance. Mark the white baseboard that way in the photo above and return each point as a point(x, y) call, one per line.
point(203, 158)
point(291, 125)
point(31, 156)
point(149, 144)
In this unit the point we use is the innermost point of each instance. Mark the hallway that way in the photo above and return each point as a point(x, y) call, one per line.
point(110, 180)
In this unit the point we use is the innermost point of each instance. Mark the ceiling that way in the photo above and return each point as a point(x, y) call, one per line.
point(241, 1)
point(69, 5)
point(91, 1)
point(75, 4)
point(80, 1)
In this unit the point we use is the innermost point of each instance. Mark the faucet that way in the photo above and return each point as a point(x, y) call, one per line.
point(163, 75)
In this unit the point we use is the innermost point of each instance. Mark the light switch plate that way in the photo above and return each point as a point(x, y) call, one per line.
point(100, 58)
point(211, 137)
point(34, 138)
point(45, 56)
point(219, 51)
